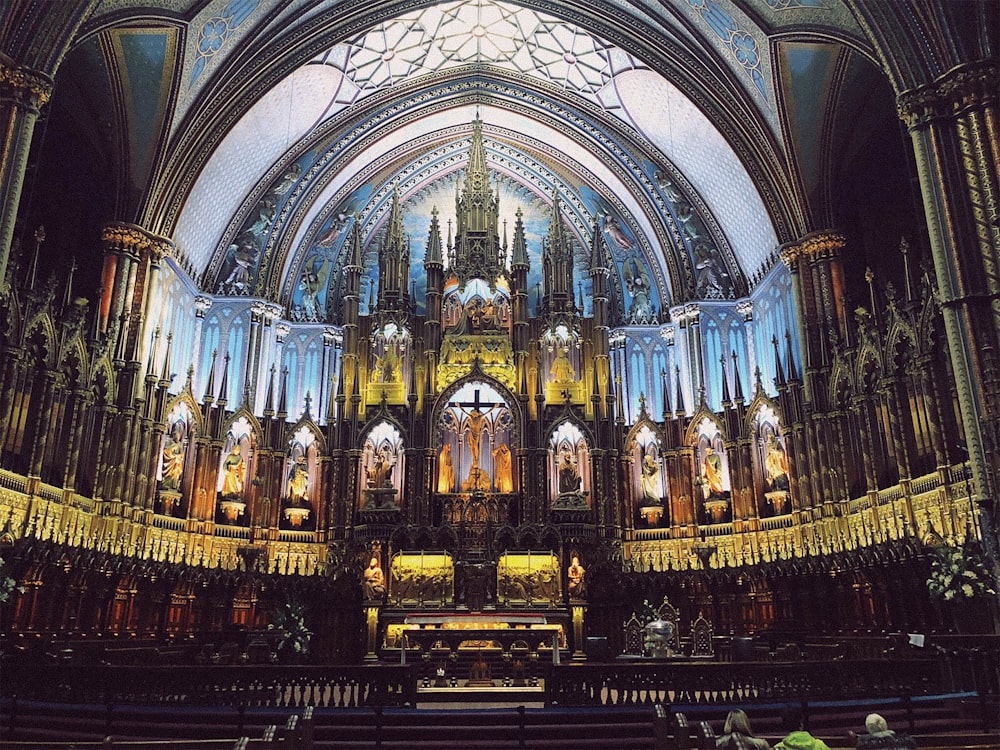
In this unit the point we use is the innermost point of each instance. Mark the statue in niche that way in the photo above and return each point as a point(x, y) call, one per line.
point(173, 458)
point(576, 576)
point(298, 482)
point(712, 473)
point(374, 580)
point(711, 278)
point(776, 465)
point(569, 477)
point(379, 474)
point(477, 317)
point(503, 472)
point(651, 488)
point(562, 369)
point(446, 470)
point(232, 478)
point(387, 368)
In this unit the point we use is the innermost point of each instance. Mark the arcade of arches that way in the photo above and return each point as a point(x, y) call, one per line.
point(495, 307)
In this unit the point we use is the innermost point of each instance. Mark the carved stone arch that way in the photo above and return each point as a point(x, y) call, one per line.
point(927, 327)
point(691, 433)
point(74, 363)
point(574, 420)
point(382, 418)
point(900, 347)
point(308, 423)
point(868, 370)
point(185, 397)
point(255, 427)
point(841, 383)
point(477, 375)
point(529, 538)
point(103, 383)
point(447, 538)
point(402, 537)
point(11, 316)
point(760, 401)
point(634, 431)
point(505, 538)
point(40, 340)
point(551, 537)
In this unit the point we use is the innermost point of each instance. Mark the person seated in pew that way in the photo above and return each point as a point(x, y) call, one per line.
point(737, 735)
point(880, 737)
point(793, 721)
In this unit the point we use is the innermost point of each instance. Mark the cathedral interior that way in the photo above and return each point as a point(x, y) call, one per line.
point(520, 311)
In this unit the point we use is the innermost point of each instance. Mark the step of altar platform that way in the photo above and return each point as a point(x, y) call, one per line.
point(489, 729)
point(480, 696)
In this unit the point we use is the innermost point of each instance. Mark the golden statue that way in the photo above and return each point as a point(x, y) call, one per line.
point(446, 469)
point(503, 474)
point(173, 463)
point(232, 479)
point(562, 369)
point(298, 482)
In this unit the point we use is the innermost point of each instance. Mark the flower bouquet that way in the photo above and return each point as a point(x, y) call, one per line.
point(959, 574)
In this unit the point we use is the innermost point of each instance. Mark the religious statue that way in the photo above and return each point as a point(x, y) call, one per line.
point(386, 368)
point(712, 473)
point(562, 369)
point(374, 580)
point(575, 574)
point(311, 284)
point(298, 482)
point(379, 474)
point(474, 433)
point(776, 465)
point(651, 488)
point(232, 478)
point(503, 475)
point(569, 477)
point(446, 470)
point(173, 460)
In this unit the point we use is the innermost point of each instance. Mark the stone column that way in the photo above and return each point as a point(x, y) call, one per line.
point(22, 94)
point(955, 130)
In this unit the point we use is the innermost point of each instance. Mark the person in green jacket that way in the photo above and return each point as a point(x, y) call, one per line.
point(793, 720)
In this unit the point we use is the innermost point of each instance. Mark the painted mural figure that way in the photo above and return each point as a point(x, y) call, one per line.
point(776, 465)
point(298, 482)
point(651, 489)
point(713, 473)
point(562, 369)
point(232, 479)
point(503, 478)
point(173, 460)
point(238, 282)
point(311, 283)
point(446, 469)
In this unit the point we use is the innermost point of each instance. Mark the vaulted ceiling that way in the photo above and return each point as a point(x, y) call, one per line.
point(699, 135)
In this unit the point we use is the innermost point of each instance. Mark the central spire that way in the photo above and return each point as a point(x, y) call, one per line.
point(478, 252)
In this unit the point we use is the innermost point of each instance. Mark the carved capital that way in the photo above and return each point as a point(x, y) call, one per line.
point(27, 87)
point(129, 239)
point(812, 247)
point(967, 86)
point(744, 308)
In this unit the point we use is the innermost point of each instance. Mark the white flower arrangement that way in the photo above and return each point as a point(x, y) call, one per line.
point(958, 574)
point(7, 585)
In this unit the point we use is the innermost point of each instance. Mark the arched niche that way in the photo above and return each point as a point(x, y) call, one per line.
point(570, 476)
point(475, 437)
point(235, 466)
point(712, 482)
point(382, 467)
point(301, 480)
point(176, 463)
point(770, 461)
point(648, 477)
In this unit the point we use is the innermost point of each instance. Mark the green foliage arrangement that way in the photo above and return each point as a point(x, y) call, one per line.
point(289, 620)
point(7, 585)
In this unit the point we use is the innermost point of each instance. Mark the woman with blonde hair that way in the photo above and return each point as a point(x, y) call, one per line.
point(737, 734)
